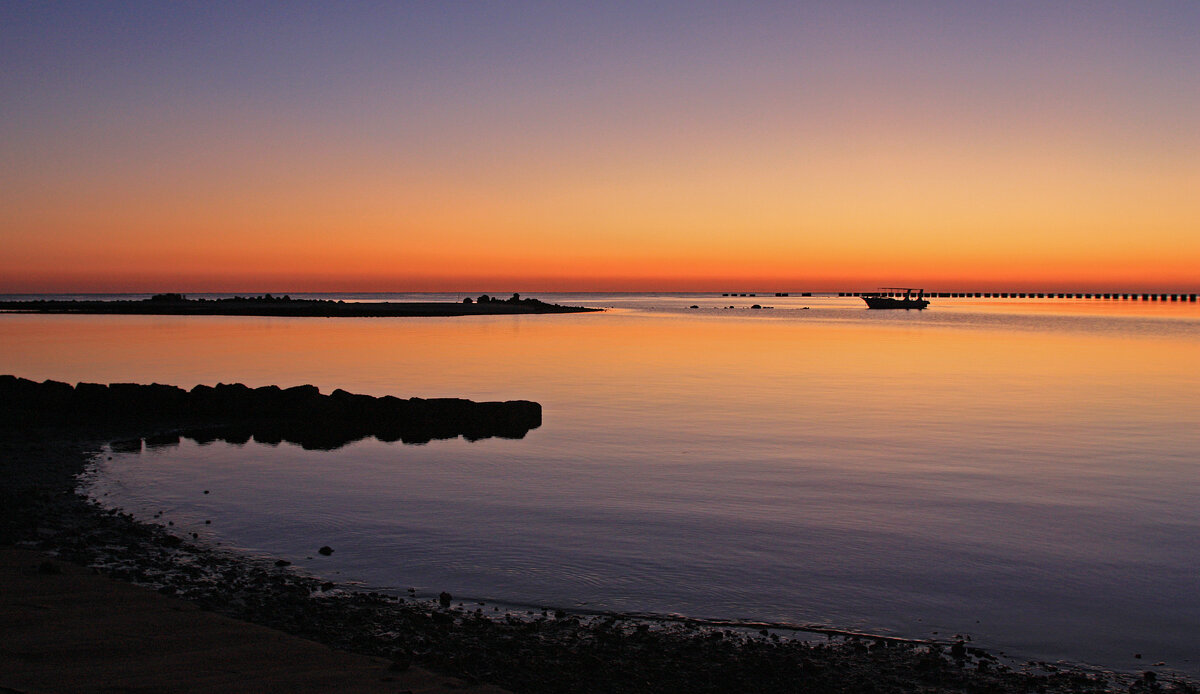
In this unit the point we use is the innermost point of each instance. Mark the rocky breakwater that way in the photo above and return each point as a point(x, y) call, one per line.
point(270, 414)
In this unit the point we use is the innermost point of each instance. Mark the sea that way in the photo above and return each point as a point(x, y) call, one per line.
point(1020, 473)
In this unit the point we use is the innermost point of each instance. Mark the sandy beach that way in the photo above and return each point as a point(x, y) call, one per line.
point(67, 628)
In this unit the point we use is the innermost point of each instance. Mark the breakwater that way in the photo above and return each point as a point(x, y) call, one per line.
point(235, 412)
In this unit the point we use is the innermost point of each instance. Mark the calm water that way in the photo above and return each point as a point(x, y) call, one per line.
point(1025, 472)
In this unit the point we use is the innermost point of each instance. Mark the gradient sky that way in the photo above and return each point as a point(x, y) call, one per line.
point(599, 146)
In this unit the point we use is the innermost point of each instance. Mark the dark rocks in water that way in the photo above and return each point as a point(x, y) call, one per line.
point(234, 412)
point(325, 551)
point(282, 563)
point(444, 599)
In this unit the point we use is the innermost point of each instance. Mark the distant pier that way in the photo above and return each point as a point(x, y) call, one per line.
point(1110, 296)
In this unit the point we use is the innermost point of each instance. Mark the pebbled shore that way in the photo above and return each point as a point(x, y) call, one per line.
point(537, 652)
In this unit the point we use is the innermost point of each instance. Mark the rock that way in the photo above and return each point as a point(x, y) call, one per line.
point(49, 568)
point(325, 551)
point(282, 563)
point(444, 599)
point(234, 413)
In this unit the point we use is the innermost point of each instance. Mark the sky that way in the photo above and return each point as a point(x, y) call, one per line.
point(600, 146)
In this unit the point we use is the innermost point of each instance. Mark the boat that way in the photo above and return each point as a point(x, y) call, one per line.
point(913, 298)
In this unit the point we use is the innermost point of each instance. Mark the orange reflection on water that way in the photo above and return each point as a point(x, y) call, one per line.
point(718, 363)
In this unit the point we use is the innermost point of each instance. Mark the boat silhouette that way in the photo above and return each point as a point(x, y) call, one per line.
point(913, 298)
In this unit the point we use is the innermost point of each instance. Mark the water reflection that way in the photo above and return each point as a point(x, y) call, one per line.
point(313, 436)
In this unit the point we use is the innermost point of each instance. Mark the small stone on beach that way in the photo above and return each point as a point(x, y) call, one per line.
point(325, 551)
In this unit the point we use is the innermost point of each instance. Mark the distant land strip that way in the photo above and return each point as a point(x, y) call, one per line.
point(1122, 296)
point(268, 305)
point(234, 412)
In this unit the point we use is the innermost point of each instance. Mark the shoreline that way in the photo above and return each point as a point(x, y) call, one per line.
point(543, 651)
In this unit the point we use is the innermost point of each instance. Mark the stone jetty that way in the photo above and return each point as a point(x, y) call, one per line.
point(235, 412)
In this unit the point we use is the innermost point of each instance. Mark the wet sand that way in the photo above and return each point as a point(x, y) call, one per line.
point(66, 628)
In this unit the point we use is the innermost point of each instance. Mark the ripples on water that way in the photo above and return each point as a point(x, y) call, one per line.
point(1023, 472)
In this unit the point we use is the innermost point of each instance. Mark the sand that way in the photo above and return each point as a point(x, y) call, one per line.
point(65, 628)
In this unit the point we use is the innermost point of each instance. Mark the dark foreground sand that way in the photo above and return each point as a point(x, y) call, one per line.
point(65, 628)
point(75, 631)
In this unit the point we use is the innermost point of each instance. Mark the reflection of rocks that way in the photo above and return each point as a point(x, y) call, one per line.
point(162, 440)
point(235, 413)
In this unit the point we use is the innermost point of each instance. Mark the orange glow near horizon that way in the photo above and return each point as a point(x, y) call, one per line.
point(756, 220)
point(814, 161)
